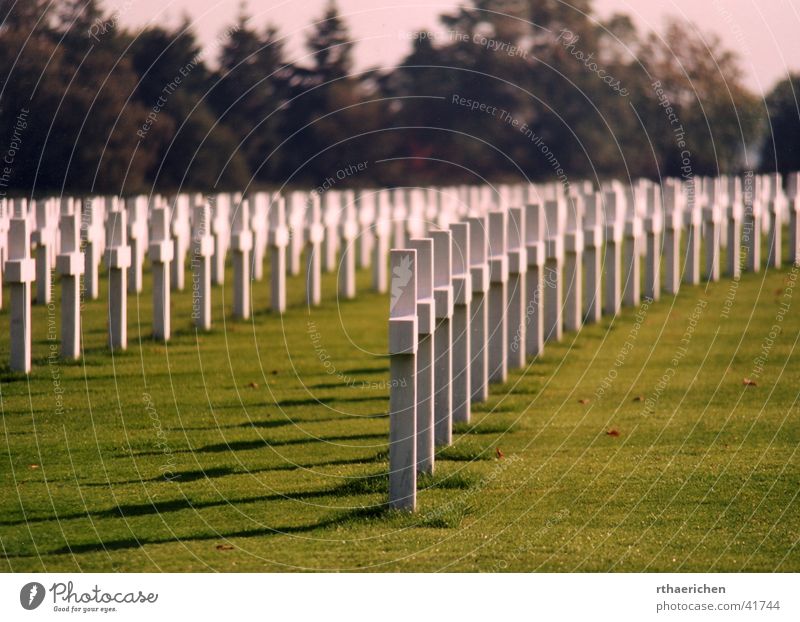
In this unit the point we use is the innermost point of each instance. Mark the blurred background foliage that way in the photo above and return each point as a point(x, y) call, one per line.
point(111, 110)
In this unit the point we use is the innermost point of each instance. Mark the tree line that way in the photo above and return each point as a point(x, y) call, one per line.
point(505, 90)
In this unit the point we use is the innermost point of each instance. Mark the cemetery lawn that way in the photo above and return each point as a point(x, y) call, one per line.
point(262, 445)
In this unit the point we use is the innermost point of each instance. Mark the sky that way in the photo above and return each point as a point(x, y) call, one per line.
point(763, 32)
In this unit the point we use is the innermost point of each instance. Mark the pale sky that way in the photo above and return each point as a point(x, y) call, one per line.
point(764, 32)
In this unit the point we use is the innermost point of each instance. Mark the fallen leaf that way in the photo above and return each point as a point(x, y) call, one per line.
point(499, 453)
point(749, 383)
point(224, 547)
point(613, 432)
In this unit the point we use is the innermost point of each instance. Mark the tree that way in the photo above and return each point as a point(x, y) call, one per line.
point(80, 135)
point(31, 81)
point(326, 110)
point(97, 122)
point(250, 93)
point(780, 149)
point(703, 83)
point(330, 45)
point(192, 149)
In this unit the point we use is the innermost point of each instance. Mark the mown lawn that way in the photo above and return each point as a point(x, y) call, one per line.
point(261, 446)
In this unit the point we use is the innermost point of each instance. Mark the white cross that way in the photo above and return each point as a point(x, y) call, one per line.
point(70, 265)
point(20, 271)
point(402, 394)
point(161, 252)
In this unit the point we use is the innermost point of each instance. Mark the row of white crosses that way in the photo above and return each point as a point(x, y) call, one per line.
point(472, 299)
point(516, 255)
point(338, 230)
point(74, 237)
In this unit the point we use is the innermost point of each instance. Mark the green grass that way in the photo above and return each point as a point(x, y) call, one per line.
point(257, 455)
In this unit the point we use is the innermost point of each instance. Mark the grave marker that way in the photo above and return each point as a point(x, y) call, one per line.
point(314, 235)
point(416, 223)
point(462, 298)
point(498, 278)
point(775, 208)
point(221, 230)
point(613, 258)
point(181, 236)
point(118, 260)
point(593, 255)
point(402, 393)
point(258, 225)
point(751, 230)
point(4, 217)
point(443, 338)
point(673, 200)
point(398, 215)
point(162, 252)
point(383, 229)
point(69, 265)
point(554, 213)
point(573, 266)
point(535, 283)
point(517, 270)
point(479, 318)
point(653, 225)
point(793, 196)
point(632, 233)
point(5, 207)
point(734, 212)
point(426, 325)
point(202, 254)
point(137, 235)
point(712, 220)
point(20, 271)
point(366, 224)
point(349, 234)
point(297, 228)
point(330, 246)
point(278, 241)
point(43, 238)
point(242, 246)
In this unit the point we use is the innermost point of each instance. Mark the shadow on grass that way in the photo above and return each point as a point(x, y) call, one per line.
point(316, 401)
point(182, 477)
point(262, 443)
point(447, 516)
point(365, 371)
point(482, 428)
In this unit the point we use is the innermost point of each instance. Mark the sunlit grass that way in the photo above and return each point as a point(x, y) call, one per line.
point(265, 448)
